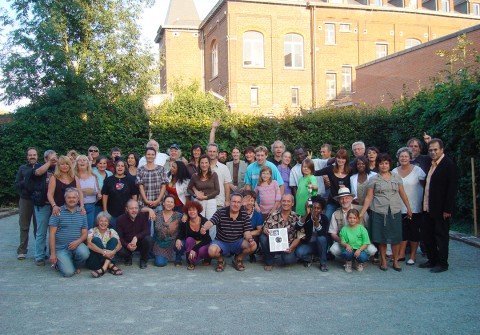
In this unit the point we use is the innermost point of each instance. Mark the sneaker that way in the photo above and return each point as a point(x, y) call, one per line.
point(410, 262)
point(21, 257)
point(323, 268)
point(360, 267)
point(39, 262)
point(143, 264)
point(348, 267)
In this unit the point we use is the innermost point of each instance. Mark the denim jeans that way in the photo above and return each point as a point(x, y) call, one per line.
point(69, 260)
point(348, 256)
point(42, 213)
point(329, 209)
point(90, 209)
point(285, 258)
point(318, 247)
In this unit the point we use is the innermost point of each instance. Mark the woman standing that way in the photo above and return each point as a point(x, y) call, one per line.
point(413, 179)
point(100, 170)
point(284, 169)
point(339, 175)
point(63, 178)
point(165, 230)
point(237, 170)
point(192, 166)
point(372, 154)
point(204, 186)
point(104, 243)
point(384, 197)
point(89, 187)
point(116, 191)
point(151, 181)
point(177, 186)
point(359, 179)
point(132, 162)
point(93, 154)
point(190, 238)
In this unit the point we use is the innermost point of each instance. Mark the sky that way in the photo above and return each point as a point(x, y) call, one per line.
point(150, 21)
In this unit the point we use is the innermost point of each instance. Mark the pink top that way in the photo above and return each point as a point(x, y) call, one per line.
point(268, 194)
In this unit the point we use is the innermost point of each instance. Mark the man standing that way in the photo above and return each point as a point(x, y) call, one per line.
point(326, 151)
point(284, 217)
point(40, 177)
point(115, 153)
point(252, 175)
point(299, 155)
point(133, 229)
point(68, 231)
point(233, 234)
point(25, 205)
point(423, 161)
point(278, 148)
point(358, 149)
point(224, 177)
point(438, 205)
point(160, 158)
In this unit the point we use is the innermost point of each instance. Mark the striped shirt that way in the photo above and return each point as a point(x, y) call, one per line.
point(229, 230)
point(69, 226)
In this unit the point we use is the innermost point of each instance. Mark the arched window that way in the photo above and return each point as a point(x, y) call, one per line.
point(293, 51)
point(411, 42)
point(253, 49)
point(214, 53)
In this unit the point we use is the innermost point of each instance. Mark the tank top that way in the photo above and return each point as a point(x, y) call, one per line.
point(59, 193)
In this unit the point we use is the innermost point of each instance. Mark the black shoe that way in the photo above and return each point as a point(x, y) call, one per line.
point(323, 268)
point(427, 265)
point(438, 269)
point(143, 264)
point(128, 261)
point(253, 259)
point(307, 264)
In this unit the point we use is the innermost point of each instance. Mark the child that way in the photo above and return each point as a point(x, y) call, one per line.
point(307, 186)
point(268, 192)
point(354, 241)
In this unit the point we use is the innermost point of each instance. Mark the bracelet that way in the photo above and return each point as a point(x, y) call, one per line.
point(53, 206)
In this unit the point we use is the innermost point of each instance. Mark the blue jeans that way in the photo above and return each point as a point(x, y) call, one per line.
point(90, 209)
point(42, 213)
point(285, 258)
point(329, 209)
point(318, 247)
point(69, 260)
point(348, 256)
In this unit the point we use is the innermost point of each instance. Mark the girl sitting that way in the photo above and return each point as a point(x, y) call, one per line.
point(354, 241)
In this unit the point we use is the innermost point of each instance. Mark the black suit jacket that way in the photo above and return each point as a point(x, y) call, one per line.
point(443, 188)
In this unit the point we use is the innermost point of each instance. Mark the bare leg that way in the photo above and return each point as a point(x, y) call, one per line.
point(401, 252)
point(396, 251)
point(383, 254)
point(413, 250)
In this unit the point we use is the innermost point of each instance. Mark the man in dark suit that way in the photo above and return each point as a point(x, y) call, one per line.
point(438, 206)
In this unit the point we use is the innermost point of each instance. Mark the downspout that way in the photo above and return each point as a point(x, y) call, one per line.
point(202, 58)
point(313, 33)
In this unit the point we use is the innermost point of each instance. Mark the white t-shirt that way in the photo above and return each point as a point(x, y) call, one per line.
point(224, 176)
point(160, 159)
point(413, 189)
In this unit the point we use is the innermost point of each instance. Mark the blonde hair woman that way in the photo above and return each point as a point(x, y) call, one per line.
point(89, 187)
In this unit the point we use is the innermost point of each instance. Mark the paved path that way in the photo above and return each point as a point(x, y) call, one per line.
point(291, 300)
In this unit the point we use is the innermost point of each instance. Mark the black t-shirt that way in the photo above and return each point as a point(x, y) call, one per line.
point(119, 191)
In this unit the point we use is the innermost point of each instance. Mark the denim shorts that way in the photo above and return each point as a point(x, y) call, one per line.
point(229, 248)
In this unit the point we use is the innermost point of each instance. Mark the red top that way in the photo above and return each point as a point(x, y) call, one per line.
point(173, 191)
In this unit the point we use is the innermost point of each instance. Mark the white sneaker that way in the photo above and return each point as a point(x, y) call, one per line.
point(348, 267)
point(21, 257)
point(360, 267)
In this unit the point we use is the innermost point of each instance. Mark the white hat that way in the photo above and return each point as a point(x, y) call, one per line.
point(343, 192)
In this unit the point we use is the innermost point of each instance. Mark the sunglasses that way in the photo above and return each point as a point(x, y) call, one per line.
point(93, 150)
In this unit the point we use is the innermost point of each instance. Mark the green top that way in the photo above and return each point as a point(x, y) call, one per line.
point(355, 237)
point(302, 193)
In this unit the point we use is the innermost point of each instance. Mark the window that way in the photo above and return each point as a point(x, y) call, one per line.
point(378, 3)
point(413, 4)
point(214, 59)
point(330, 33)
point(411, 42)
point(381, 50)
point(253, 49)
point(445, 6)
point(254, 96)
point(346, 79)
point(344, 27)
point(295, 96)
point(476, 9)
point(293, 51)
point(331, 86)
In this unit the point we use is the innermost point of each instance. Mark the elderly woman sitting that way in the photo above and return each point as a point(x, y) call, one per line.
point(103, 243)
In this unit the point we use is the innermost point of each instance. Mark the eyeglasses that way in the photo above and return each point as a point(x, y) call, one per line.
point(92, 150)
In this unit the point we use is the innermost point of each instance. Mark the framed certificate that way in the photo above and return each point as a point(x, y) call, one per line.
point(278, 239)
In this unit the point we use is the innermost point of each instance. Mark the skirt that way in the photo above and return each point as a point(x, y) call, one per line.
point(386, 228)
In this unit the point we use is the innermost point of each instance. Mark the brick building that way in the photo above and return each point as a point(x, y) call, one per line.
point(269, 56)
point(389, 79)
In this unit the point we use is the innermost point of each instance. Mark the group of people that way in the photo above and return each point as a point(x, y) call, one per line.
point(96, 210)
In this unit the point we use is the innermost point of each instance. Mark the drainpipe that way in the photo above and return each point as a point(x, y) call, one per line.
point(313, 33)
point(202, 58)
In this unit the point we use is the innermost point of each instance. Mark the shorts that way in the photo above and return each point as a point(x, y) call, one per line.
point(229, 247)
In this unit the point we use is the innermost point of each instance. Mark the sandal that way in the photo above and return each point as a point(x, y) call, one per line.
point(98, 273)
point(238, 264)
point(115, 271)
point(191, 266)
point(220, 266)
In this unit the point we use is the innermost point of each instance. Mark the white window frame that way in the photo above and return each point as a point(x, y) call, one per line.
point(412, 42)
point(347, 78)
point(214, 59)
point(331, 85)
point(378, 3)
point(445, 6)
point(476, 9)
point(293, 45)
point(254, 96)
point(295, 96)
point(253, 53)
point(383, 54)
point(330, 38)
point(344, 27)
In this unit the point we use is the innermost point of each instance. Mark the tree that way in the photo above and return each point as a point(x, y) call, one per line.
point(87, 47)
